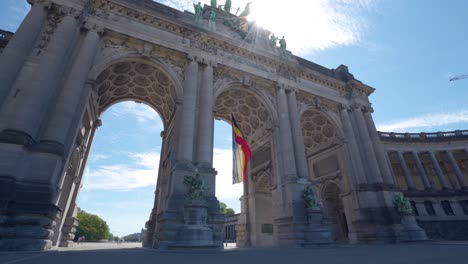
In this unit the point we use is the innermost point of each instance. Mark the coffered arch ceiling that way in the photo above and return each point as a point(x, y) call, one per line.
point(138, 81)
point(251, 113)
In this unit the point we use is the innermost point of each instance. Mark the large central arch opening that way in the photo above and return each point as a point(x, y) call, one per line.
point(254, 226)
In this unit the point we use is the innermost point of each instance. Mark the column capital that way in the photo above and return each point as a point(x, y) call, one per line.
point(345, 107)
point(91, 26)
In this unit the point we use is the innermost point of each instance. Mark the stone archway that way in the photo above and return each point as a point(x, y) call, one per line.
point(255, 226)
point(129, 80)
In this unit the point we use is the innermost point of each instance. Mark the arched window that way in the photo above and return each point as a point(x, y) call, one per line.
point(429, 208)
point(413, 204)
point(447, 207)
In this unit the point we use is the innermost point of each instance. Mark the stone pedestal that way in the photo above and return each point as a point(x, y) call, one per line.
point(316, 231)
point(68, 231)
point(410, 230)
point(27, 222)
point(195, 234)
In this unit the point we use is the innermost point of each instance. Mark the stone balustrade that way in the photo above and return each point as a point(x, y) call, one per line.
point(425, 137)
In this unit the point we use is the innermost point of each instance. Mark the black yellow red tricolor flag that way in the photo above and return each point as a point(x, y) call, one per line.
point(241, 154)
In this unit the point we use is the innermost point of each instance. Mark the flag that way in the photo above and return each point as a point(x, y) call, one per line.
point(241, 154)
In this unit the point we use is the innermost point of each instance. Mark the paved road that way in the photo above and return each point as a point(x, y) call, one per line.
point(363, 254)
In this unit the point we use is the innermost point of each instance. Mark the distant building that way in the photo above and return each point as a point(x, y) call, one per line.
point(5, 37)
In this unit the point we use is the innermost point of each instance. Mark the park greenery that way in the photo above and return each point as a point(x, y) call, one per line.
point(225, 210)
point(92, 227)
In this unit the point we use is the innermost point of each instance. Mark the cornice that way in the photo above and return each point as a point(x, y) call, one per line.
point(159, 16)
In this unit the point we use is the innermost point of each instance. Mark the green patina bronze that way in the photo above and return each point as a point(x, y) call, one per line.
point(310, 198)
point(197, 188)
point(227, 6)
point(402, 204)
point(273, 40)
point(198, 13)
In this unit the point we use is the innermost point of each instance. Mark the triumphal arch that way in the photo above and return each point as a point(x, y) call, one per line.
point(319, 171)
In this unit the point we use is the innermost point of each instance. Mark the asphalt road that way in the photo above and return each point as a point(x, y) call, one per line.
point(446, 253)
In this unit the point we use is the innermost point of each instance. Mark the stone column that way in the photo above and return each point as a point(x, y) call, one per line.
point(442, 179)
point(422, 173)
point(67, 192)
point(187, 128)
point(289, 164)
point(34, 94)
point(406, 171)
point(206, 119)
point(457, 170)
point(298, 137)
point(368, 149)
point(351, 144)
point(20, 46)
point(378, 147)
point(66, 108)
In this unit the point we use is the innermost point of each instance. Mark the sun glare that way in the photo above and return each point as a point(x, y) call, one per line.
point(308, 25)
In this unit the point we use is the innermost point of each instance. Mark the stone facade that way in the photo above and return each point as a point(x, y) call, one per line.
point(308, 127)
point(431, 169)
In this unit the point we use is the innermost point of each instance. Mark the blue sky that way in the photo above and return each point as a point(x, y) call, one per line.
point(407, 50)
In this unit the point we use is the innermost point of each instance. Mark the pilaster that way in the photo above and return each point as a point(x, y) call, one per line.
point(204, 153)
point(188, 122)
point(440, 175)
point(422, 173)
point(15, 54)
point(457, 170)
point(298, 137)
point(406, 171)
point(34, 90)
point(74, 90)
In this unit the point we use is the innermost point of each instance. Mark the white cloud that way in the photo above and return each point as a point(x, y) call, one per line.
point(142, 173)
point(307, 25)
point(222, 162)
point(147, 117)
point(98, 157)
point(425, 122)
point(21, 10)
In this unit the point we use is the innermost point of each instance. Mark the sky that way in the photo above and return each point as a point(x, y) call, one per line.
point(406, 49)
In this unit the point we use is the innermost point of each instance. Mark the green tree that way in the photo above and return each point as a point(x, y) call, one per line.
point(92, 227)
point(225, 210)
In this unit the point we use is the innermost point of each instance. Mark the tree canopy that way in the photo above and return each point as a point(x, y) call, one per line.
point(92, 227)
point(225, 210)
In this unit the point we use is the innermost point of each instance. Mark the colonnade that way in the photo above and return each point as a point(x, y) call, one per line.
point(435, 163)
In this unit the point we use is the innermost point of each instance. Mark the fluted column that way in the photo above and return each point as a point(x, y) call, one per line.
point(368, 149)
point(289, 164)
point(206, 119)
point(350, 141)
point(422, 173)
point(34, 94)
point(406, 171)
point(298, 137)
point(20, 46)
point(457, 170)
point(440, 175)
point(73, 90)
point(378, 147)
point(187, 125)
